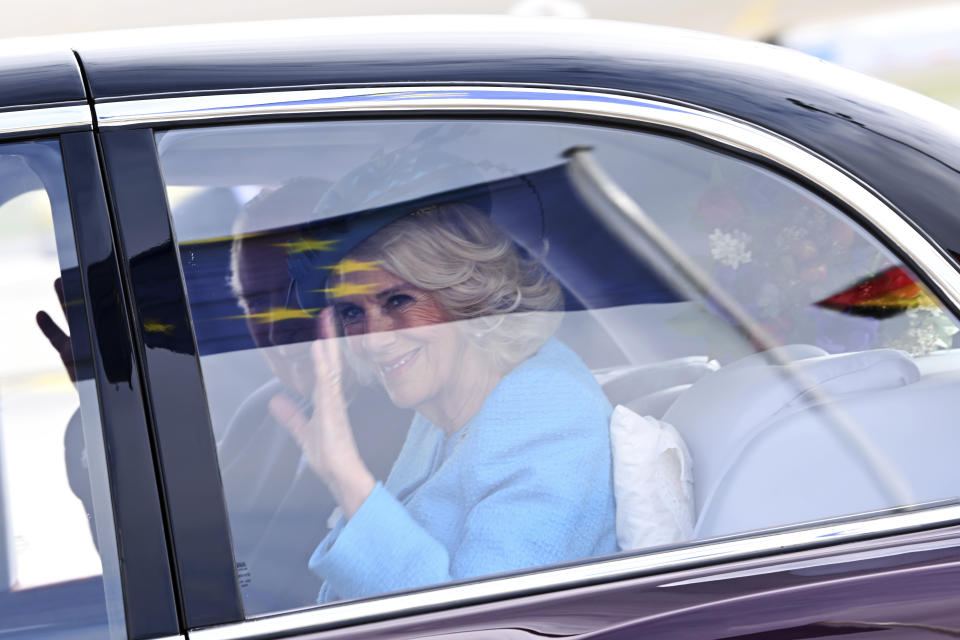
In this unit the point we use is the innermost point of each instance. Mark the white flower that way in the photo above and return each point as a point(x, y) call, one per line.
point(788, 236)
point(730, 248)
point(918, 341)
point(929, 330)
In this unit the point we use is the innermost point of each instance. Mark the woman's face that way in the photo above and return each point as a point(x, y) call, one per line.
point(404, 335)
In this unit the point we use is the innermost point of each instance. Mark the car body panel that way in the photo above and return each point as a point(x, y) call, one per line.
point(148, 586)
point(41, 78)
point(152, 240)
point(41, 92)
point(180, 421)
point(828, 110)
point(887, 585)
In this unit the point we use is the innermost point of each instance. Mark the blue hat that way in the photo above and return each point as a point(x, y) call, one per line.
point(313, 257)
point(369, 198)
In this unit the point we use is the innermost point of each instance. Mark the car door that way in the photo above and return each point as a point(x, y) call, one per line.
point(794, 330)
point(81, 526)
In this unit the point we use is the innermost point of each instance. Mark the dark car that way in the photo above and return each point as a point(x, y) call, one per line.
point(692, 373)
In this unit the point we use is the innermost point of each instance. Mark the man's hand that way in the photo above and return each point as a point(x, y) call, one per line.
point(58, 339)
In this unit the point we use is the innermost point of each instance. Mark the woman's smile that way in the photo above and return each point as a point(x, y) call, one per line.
point(404, 335)
point(397, 365)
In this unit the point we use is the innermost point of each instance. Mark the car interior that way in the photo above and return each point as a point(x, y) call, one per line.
point(772, 435)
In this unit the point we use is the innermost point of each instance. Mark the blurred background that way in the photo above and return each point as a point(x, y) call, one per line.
point(915, 44)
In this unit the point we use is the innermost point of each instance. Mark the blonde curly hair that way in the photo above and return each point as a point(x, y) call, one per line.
point(476, 273)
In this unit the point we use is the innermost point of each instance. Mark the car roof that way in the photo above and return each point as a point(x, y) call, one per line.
point(903, 144)
point(39, 78)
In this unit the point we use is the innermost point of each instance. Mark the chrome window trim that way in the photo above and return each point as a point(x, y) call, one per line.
point(611, 107)
point(45, 119)
point(448, 100)
point(745, 546)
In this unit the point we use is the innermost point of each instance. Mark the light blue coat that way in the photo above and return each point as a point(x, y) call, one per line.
point(526, 482)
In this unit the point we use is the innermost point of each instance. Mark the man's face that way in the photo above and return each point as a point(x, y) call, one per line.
point(279, 328)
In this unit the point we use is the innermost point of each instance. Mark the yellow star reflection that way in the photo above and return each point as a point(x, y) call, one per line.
point(345, 289)
point(152, 325)
point(347, 265)
point(277, 314)
point(307, 244)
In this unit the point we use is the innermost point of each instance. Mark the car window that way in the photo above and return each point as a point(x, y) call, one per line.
point(430, 356)
point(59, 572)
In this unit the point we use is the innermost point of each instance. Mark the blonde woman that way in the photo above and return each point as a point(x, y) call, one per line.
point(506, 464)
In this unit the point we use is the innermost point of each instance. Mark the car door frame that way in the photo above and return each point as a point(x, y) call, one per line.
point(201, 540)
point(146, 585)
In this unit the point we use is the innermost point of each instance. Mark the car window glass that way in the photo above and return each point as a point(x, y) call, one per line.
point(59, 571)
point(428, 358)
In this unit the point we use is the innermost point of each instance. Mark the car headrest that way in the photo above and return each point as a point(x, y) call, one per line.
point(625, 386)
point(722, 409)
point(800, 467)
point(785, 353)
point(657, 403)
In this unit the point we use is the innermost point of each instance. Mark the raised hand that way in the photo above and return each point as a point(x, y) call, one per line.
point(57, 337)
point(326, 437)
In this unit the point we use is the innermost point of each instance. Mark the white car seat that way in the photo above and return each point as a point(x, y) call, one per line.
point(801, 468)
point(824, 435)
